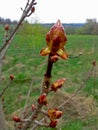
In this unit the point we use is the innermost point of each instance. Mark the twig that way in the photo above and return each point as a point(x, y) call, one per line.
point(3, 91)
point(78, 90)
point(71, 56)
point(5, 46)
point(40, 123)
point(32, 117)
point(36, 125)
point(27, 99)
point(25, 12)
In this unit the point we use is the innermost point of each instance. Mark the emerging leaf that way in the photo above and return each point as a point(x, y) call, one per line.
point(54, 114)
point(57, 84)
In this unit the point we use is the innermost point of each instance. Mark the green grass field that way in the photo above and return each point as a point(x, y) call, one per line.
point(25, 63)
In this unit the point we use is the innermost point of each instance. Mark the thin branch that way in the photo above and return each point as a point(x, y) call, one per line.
point(26, 5)
point(9, 40)
point(78, 90)
point(5, 46)
point(36, 125)
point(76, 56)
point(40, 124)
point(27, 100)
point(32, 117)
point(3, 91)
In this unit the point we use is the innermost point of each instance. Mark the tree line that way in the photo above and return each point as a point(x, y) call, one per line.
point(7, 21)
point(90, 27)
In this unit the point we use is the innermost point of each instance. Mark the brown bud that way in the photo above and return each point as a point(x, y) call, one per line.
point(53, 123)
point(6, 27)
point(94, 63)
point(16, 118)
point(42, 99)
point(33, 9)
point(11, 77)
point(33, 107)
point(2, 99)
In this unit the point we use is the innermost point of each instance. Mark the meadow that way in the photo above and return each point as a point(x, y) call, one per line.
point(23, 60)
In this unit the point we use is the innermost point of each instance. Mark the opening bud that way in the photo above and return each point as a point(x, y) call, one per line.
point(57, 84)
point(54, 114)
point(42, 99)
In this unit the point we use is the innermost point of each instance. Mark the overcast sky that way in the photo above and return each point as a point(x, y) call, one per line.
point(47, 11)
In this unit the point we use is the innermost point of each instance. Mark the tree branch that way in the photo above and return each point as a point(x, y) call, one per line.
point(47, 76)
point(78, 90)
point(3, 91)
point(24, 15)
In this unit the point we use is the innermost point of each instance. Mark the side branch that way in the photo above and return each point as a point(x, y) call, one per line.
point(25, 12)
point(3, 91)
point(78, 90)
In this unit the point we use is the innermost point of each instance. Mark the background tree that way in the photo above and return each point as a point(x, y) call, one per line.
point(90, 27)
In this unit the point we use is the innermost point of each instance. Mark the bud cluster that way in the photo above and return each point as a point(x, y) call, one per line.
point(54, 114)
point(56, 40)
